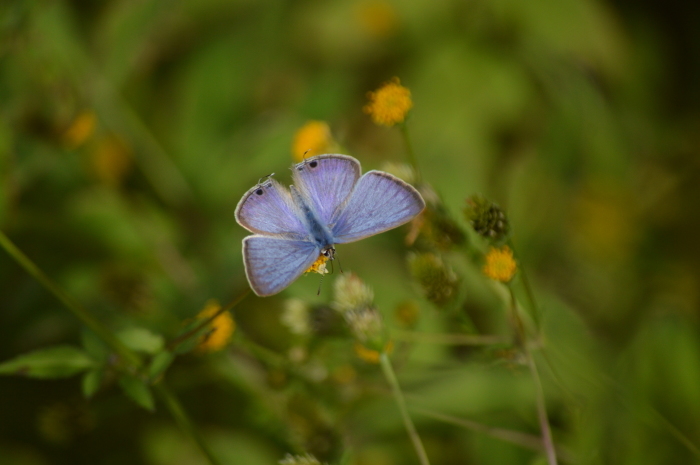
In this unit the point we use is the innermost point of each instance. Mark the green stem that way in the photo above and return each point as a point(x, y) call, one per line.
point(534, 310)
point(521, 338)
point(409, 151)
point(183, 420)
point(183, 337)
point(133, 360)
point(451, 339)
point(401, 402)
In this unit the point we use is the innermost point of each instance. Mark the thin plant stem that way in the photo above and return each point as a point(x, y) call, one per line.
point(183, 420)
point(534, 309)
point(401, 402)
point(449, 339)
point(172, 345)
point(133, 361)
point(409, 150)
point(521, 338)
point(127, 355)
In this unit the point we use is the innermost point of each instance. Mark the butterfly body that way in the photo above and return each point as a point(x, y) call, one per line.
point(329, 204)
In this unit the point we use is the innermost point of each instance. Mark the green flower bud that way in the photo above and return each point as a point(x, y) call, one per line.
point(437, 279)
point(487, 218)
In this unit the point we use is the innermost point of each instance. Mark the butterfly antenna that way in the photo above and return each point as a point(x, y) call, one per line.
point(304, 156)
point(341, 266)
point(320, 281)
point(265, 177)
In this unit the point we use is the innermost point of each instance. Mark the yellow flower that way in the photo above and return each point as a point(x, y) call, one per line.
point(389, 104)
point(111, 160)
point(319, 266)
point(222, 328)
point(313, 138)
point(80, 129)
point(370, 355)
point(377, 17)
point(500, 264)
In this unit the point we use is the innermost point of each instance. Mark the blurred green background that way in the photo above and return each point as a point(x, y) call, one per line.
point(129, 129)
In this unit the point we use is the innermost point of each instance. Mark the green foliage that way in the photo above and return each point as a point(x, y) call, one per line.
point(54, 362)
point(130, 129)
point(138, 391)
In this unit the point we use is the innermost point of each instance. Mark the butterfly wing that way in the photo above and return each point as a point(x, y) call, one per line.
point(268, 209)
point(273, 263)
point(326, 181)
point(378, 203)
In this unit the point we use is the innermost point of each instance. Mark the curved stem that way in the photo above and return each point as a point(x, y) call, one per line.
point(173, 404)
point(401, 402)
point(131, 358)
point(521, 338)
point(172, 345)
point(409, 150)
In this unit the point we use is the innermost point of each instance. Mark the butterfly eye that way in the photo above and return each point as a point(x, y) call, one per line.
point(259, 192)
point(313, 164)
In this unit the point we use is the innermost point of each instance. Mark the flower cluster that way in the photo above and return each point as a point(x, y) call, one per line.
point(500, 265)
point(389, 104)
point(487, 218)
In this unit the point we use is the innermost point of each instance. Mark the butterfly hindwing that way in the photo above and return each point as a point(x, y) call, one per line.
point(268, 209)
point(273, 263)
point(378, 203)
point(326, 181)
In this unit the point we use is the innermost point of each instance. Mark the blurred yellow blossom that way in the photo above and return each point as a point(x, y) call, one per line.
point(82, 127)
point(377, 17)
point(313, 138)
point(500, 264)
point(371, 355)
point(389, 104)
point(222, 328)
point(111, 160)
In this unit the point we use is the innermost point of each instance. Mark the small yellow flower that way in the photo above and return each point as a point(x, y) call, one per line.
point(313, 138)
point(377, 17)
point(80, 129)
point(389, 104)
point(319, 266)
point(111, 160)
point(222, 328)
point(371, 355)
point(500, 264)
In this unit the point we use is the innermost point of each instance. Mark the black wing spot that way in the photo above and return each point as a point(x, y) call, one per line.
point(259, 191)
point(313, 164)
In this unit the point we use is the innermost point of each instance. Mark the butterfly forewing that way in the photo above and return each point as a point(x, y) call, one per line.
point(268, 209)
point(273, 263)
point(326, 181)
point(378, 203)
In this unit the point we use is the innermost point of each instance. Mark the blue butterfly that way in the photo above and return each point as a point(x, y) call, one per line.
point(329, 204)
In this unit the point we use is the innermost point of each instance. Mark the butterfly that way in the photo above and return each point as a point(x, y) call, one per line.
point(329, 204)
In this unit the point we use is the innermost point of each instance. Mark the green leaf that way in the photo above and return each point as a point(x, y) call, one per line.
point(142, 340)
point(92, 380)
point(94, 346)
point(160, 363)
point(54, 362)
point(137, 391)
